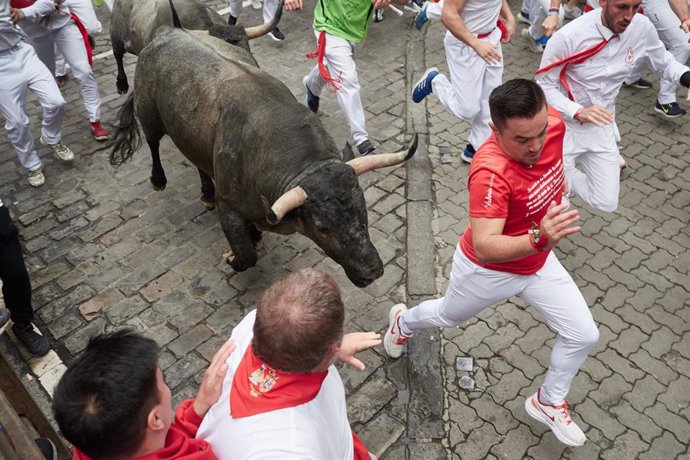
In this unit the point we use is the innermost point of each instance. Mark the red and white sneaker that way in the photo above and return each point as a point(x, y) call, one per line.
point(557, 418)
point(394, 341)
point(98, 132)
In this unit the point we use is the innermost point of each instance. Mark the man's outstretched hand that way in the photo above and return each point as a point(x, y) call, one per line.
point(212, 383)
point(355, 342)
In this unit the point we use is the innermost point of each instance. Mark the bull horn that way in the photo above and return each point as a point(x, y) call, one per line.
point(263, 29)
point(371, 162)
point(292, 199)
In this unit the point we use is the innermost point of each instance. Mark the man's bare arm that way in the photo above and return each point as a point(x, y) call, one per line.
point(680, 7)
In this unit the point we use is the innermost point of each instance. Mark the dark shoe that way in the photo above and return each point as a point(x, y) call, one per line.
point(4, 318)
point(61, 80)
point(523, 16)
point(312, 99)
point(421, 18)
point(47, 448)
point(468, 154)
point(232, 20)
point(378, 15)
point(423, 87)
point(277, 35)
point(33, 341)
point(640, 84)
point(365, 148)
point(672, 110)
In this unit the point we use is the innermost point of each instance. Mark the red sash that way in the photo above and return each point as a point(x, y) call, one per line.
point(500, 26)
point(332, 84)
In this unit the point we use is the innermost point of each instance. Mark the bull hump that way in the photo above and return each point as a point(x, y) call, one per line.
point(221, 48)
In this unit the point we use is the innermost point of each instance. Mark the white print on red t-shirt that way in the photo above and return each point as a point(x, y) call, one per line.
point(489, 192)
point(542, 191)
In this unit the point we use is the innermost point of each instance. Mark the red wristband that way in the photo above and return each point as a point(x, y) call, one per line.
point(540, 243)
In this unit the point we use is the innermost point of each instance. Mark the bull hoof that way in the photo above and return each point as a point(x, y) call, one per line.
point(210, 205)
point(227, 256)
point(237, 266)
point(122, 87)
point(158, 185)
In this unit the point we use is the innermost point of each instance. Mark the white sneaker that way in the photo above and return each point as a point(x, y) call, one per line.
point(534, 45)
point(573, 13)
point(256, 4)
point(36, 178)
point(62, 152)
point(557, 418)
point(394, 342)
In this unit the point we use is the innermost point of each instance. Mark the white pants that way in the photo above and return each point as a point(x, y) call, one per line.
point(269, 10)
point(594, 150)
point(70, 43)
point(466, 94)
point(20, 69)
point(340, 60)
point(433, 11)
point(551, 291)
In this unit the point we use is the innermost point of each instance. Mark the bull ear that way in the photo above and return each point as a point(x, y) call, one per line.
point(347, 154)
point(271, 217)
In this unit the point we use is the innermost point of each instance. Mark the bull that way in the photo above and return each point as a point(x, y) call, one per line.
point(134, 22)
point(275, 166)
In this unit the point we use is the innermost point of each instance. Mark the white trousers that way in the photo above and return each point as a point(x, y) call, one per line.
point(340, 60)
point(70, 43)
point(433, 11)
point(269, 9)
point(551, 291)
point(594, 151)
point(466, 94)
point(20, 69)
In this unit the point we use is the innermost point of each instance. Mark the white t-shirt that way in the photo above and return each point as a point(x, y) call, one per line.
point(318, 429)
point(481, 16)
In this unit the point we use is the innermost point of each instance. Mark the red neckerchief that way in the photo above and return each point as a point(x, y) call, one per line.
point(258, 388)
point(82, 30)
point(332, 84)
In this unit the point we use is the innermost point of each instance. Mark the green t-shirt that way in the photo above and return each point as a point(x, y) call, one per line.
point(348, 19)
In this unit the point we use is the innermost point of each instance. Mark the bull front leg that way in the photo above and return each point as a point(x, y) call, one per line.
point(237, 231)
point(121, 82)
point(208, 191)
point(158, 179)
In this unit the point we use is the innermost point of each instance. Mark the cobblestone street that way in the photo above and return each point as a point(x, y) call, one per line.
point(105, 251)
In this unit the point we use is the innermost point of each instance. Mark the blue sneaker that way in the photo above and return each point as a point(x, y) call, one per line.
point(468, 154)
point(421, 18)
point(423, 87)
point(543, 40)
point(523, 16)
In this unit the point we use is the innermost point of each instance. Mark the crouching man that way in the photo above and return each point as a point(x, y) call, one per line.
point(112, 403)
point(282, 396)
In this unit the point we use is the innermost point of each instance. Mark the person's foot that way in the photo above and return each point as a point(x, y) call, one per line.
point(98, 132)
point(572, 13)
point(256, 4)
point(4, 318)
point(523, 16)
point(232, 20)
point(468, 154)
point(47, 448)
point(672, 110)
point(312, 99)
point(421, 18)
point(394, 341)
point(62, 152)
point(535, 46)
point(365, 148)
point(277, 35)
point(36, 178)
point(32, 340)
point(423, 87)
point(640, 84)
point(557, 418)
point(378, 15)
point(61, 80)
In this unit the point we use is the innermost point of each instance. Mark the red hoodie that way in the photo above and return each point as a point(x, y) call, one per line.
point(180, 443)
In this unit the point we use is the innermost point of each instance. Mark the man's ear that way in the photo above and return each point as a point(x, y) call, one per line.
point(493, 128)
point(154, 421)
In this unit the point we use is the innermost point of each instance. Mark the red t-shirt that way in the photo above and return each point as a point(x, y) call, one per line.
point(180, 443)
point(501, 187)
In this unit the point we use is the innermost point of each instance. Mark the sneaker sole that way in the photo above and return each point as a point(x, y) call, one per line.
point(466, 159)
point(540, 417)
point(522, 19)
point(276, 38)
point(656, 109)
point(306, 94)
point(426, 74)
point(391, 318)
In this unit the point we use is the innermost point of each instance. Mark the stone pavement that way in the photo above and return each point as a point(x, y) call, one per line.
point(106, 251)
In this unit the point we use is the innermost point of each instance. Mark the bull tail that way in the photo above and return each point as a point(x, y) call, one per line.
point(125, 140)
point(176, 18)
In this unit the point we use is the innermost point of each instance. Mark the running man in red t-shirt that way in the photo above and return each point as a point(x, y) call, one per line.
point(516, 184)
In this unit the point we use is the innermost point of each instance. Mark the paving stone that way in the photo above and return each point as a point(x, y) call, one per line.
point(161, 286)
point(381, 433)
point(669, 422)
point(665, 446)
point(190, 340)
point(78, 340)
point(369, 399)
point(100, 302)
point(478, 443)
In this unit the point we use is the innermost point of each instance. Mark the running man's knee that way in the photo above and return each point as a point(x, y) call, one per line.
point(605, 203)
point(586, 336)
point(54, 103)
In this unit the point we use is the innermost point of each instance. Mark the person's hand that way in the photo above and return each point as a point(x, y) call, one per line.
point(556, 226)
point(378, 4)
point(595, 114)
point(550, 25)
point(510, 26)
point(212, 383)
point(685, 25)
point(487, 51)
point(16, 15)
point(291, 5)
point(355, 342)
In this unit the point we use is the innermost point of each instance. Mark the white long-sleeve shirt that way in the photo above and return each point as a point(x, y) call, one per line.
point(598, 80)
point(41, 17)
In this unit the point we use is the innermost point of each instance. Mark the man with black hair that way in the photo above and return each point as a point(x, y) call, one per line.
point(113, 403)
point(515, 185)
point(282, 397)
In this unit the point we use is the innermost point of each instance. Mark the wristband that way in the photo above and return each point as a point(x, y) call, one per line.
point(536, 239)
point(553, 11)
point(577, 114)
